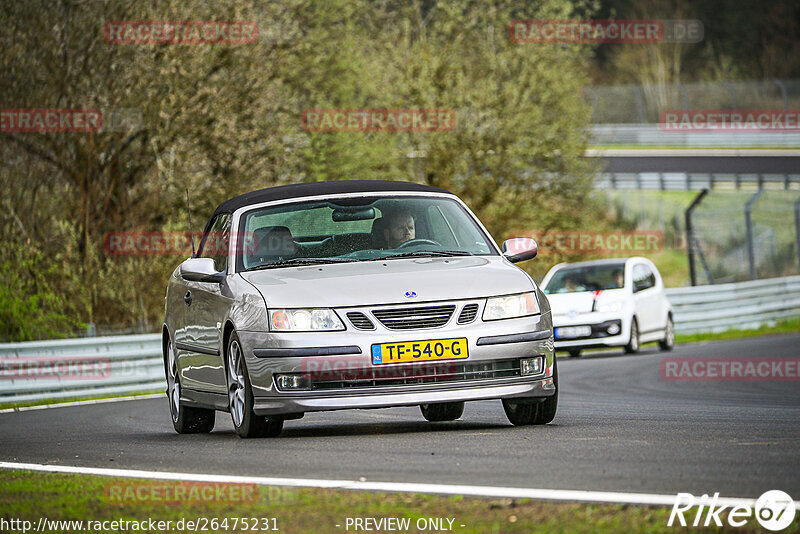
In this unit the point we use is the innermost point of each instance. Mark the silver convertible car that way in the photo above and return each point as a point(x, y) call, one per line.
point(353, 294)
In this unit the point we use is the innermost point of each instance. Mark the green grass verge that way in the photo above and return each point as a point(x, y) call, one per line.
point(789, 326)
point(29, 496)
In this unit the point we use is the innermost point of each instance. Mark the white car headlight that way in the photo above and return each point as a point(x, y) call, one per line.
point(611, 307)
point(511, 306)
point(304, 320)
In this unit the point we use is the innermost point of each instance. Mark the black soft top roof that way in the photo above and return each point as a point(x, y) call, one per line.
point(285, 192)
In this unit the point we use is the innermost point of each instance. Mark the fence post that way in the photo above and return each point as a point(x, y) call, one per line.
point(684, 95)
point(690, 233)
point(797, 229)
point(732, 89)
point(783, 94)
point(639, 104)
point(642, 210)
point(749, 229)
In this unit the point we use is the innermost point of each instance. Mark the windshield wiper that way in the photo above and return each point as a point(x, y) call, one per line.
point(300, 261)
point(426, 254)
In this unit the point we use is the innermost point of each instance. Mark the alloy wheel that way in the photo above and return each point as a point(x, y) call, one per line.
point(236, 383)
point(173, 384)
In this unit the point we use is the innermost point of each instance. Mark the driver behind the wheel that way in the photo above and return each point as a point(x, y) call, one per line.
point(399, 228)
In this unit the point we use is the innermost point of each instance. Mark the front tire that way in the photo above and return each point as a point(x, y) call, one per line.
point(575, 353)
point(668, 343)
point(633, 345)
point(540, 413)
point(185, 419)
point(240, 397)
point(444, 411)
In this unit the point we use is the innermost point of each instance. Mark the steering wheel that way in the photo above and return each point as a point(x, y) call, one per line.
point(419, 241)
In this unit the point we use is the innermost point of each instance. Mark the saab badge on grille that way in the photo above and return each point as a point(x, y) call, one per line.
point(411, 294)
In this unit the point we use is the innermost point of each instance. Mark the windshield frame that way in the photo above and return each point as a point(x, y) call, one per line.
point(240, 217)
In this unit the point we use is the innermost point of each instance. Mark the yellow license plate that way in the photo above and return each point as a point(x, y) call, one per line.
point(419, 351)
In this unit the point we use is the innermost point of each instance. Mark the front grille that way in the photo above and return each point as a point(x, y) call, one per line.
point(417, 373)
point(468, 314)
point(360, 321)
point(416, 317)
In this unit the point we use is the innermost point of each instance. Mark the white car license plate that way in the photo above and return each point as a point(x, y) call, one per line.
point(568, 332)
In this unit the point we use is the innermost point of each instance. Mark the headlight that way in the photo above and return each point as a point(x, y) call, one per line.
point(611, 307)
point(304, 320)
point(511, 306)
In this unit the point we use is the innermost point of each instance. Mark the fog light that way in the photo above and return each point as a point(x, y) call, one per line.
point(294, 382)
point(613, 329)
point(531, 366)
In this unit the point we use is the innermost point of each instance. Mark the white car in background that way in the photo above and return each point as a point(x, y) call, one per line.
point(608, 303)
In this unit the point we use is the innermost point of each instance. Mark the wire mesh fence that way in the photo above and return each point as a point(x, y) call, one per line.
point(727, 246)
point(642, 104)
point(648, 211)
point(733, 243)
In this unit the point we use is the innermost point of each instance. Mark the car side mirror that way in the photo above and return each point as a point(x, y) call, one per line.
point(520, 249)
point(201, 270)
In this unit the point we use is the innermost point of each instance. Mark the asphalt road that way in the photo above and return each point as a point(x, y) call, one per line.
point(704, 164)
point(619, 427)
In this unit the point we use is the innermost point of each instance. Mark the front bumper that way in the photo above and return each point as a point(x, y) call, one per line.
point(599, 324)
point(493, 344)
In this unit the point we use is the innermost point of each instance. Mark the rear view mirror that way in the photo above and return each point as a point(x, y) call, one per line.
point(360, 214)
point(201, 270)
point(520, 249)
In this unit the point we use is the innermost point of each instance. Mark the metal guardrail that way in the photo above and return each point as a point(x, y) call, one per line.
point(716, 308)
point(86, 367)
point(133, 363)
point(652, 135)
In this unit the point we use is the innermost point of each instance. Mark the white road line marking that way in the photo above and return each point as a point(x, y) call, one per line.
point(720, 151)
point(406, 487)
point(82, 403)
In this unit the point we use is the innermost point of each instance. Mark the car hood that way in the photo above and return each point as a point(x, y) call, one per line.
point(386, 282)
point(566, 303)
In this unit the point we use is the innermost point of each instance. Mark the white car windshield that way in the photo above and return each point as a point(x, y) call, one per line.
point(587, 278)
point(359, 229)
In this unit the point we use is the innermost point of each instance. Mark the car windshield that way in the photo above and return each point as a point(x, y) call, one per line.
point(359, 229)
point(587, 278)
